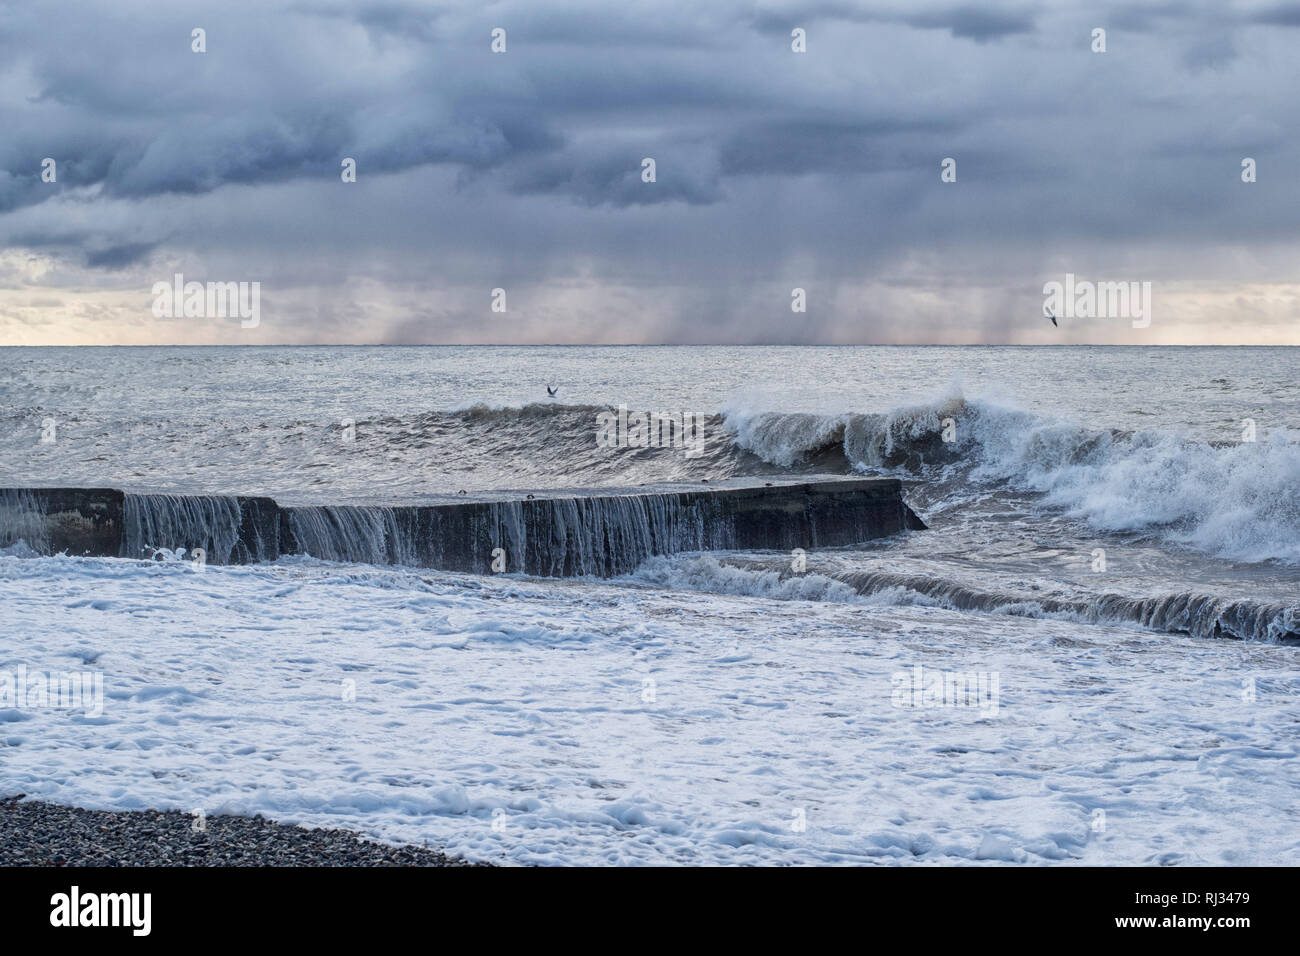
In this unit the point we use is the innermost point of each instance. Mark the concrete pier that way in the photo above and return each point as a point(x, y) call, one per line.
point(598, 532)
point(80, 521)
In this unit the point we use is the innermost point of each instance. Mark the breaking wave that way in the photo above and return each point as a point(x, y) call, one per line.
point(1239, 501)
point(1197, 614)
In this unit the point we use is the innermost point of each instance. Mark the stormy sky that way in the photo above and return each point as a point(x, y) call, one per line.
point(774, 170)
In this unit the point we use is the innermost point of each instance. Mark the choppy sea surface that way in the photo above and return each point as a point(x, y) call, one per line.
point(1103, 523)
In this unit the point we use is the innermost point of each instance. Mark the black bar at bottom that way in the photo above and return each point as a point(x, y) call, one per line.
point(947, 906)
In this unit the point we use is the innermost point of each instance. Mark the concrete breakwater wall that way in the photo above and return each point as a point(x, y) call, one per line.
point(563, 534)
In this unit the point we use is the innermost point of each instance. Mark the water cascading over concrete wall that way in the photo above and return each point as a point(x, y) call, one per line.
point(597, 533)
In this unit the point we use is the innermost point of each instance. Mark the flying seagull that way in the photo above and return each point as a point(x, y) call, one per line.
point(551, 391)
point(1052, 317)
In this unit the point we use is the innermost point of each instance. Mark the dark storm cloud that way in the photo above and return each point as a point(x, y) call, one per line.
point(615, 178)
point(1284, 15)
point(398, 19)
point(981, 23)
point(478, 170)
point(975, 23)
point(1144, 17)
point(799, 146)
point(119, 257)
point(1206, 31)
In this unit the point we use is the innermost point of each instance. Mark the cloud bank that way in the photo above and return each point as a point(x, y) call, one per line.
point(523, 170)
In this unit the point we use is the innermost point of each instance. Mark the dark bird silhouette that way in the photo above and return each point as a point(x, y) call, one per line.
point(551, 391)
point(1052, 317)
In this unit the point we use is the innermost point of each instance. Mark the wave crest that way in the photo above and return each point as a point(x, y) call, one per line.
point(1235, 500)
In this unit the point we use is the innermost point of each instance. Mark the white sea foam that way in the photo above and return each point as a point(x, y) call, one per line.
point(576, 722)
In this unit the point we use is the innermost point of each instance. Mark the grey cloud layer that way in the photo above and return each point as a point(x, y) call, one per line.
point(526, 166)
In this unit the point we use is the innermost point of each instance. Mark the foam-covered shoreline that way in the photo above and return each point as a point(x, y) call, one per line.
point(606, 723)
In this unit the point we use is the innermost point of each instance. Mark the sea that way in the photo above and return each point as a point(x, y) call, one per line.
point(1111, 567)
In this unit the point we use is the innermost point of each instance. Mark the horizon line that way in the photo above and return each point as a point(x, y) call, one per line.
point(651, 345)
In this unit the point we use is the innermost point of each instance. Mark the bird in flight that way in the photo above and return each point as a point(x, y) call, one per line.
point(1052, 317)
point(552, 391)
